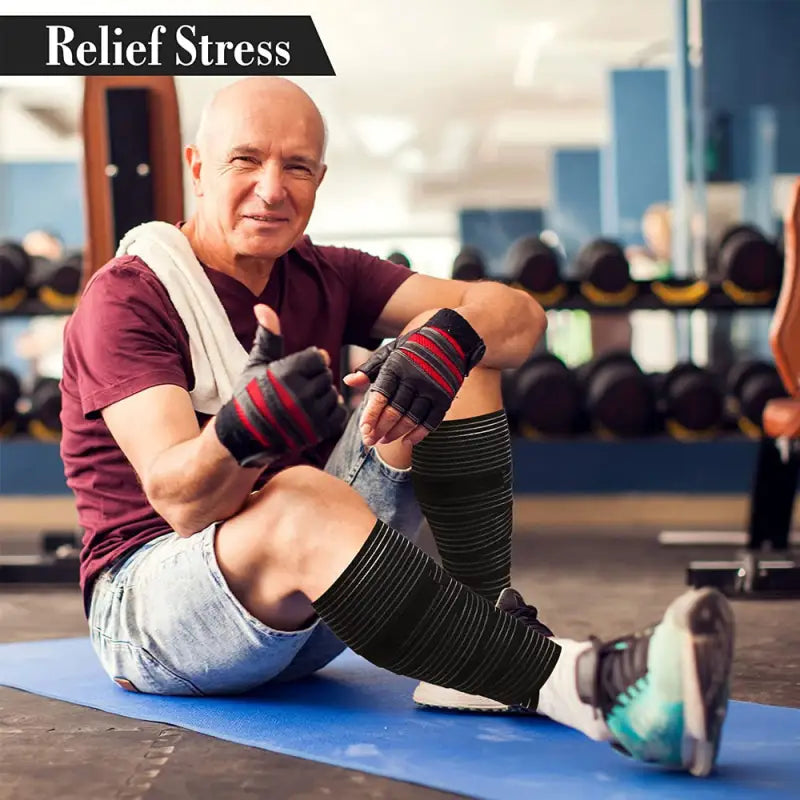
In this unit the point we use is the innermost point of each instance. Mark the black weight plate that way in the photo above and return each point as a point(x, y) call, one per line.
point(534, 265)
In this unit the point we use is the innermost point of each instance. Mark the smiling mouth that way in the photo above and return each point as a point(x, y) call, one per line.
point(266, 218)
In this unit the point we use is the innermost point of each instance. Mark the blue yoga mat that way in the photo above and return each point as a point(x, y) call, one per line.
point(352, 714)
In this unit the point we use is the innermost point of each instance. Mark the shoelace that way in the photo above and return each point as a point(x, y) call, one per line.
point(620, 667)
point(530, 616)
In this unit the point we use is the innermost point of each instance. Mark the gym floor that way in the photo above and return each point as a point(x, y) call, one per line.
point(593, 581)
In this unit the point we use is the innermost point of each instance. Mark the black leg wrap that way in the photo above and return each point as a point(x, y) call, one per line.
point(463, 480)
point(397, 608)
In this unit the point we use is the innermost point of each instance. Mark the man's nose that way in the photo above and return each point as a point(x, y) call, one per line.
point(270, 187)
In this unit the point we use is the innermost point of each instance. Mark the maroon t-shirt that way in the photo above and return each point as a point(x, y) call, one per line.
point(126, 336)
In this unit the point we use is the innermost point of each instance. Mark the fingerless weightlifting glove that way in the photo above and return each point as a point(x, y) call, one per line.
point(280, 404)
point(421, 371)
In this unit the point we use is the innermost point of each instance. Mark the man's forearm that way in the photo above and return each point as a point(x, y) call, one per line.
point(198, 482)
point(510, 322)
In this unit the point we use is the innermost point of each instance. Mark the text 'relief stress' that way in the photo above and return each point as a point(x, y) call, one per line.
point(164, 45)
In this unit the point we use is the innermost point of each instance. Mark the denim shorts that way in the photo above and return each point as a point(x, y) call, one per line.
point(163, 620)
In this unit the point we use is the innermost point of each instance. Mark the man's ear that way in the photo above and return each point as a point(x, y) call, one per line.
point(192, 157)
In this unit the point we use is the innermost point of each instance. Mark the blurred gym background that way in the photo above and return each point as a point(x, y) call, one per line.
point(628, 162)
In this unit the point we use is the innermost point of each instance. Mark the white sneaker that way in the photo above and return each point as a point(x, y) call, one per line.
point(432, 696)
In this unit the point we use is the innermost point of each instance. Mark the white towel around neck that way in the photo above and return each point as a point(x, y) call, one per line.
point(217, 356)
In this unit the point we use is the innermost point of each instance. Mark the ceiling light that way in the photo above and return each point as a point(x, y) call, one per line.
point(382, 136)
point(455, 146)
point(538, 36)
point(411, 159)
point(40, 82)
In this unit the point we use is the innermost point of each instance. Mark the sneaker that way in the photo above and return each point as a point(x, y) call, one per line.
point(663, 692)
point(431, 696)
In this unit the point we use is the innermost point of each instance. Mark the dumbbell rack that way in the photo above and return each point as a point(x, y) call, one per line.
point(53, 558)
point(31, 307)
point(766, 567)
point(669, 294)
point(127, 122)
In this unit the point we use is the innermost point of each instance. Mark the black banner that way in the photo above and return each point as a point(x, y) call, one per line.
point(288, 45)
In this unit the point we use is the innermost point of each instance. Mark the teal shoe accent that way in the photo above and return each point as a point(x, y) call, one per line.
point(647, 717)
point(657, 744)
point(664, 691)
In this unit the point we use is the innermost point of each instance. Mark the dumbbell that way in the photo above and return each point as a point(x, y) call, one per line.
point(748, 265)
point(397, 257)
point(691, 401)
point(56, 283)
point(469, 265)
point(543, 397)
point(751, 384)
point(620, 399)
point(44, 415)
point(604, 273)
point(9, 395)
point(15, 264)
point(534, 266)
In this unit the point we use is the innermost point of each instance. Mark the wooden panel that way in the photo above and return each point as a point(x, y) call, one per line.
point(166, 166)
point(128, 120)
point(784, 334)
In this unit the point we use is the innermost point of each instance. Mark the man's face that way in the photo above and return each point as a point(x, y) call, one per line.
point(256, 176)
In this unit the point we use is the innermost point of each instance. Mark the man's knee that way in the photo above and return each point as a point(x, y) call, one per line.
point(292, 540)
point(301, 513)
point(306, 490)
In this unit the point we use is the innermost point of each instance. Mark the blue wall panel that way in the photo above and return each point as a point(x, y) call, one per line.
point(42, 195)
point(788, 155)
point(656, 465)
point(750, 53)
point(584, 466)
point(492, 230)
point(31, 467)
point(574, 213)
point(640, 143)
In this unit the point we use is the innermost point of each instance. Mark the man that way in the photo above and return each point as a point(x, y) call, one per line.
point(253, 544)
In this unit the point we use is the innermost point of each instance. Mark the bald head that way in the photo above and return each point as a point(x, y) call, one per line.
point(256, 165)
point(264, 93)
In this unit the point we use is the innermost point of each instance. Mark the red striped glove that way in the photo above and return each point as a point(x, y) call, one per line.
point(421, 371)
point(280, 405)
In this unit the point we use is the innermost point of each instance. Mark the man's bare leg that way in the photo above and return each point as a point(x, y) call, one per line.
point(308, 544)
point(282, 551)
point(306, 547)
